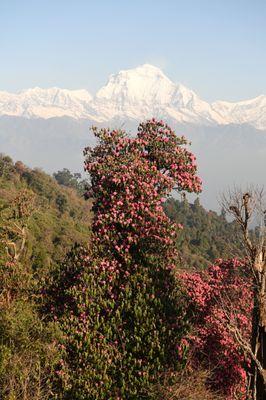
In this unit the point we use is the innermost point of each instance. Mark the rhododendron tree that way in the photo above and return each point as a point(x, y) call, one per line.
point(221, 301)
point(120, 307)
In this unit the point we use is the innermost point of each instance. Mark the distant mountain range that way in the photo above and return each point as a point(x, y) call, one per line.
point(134, 94)
point(49, 128)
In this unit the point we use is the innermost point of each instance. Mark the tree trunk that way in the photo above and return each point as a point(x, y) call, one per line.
point(259, 343)
point(260, 386)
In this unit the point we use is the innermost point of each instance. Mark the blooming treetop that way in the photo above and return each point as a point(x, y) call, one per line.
point(130, 178)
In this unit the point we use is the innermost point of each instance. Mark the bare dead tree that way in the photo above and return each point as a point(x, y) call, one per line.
point(249, 210)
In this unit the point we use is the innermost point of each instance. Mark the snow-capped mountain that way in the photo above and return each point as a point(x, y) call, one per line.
point(252, 112)
point(133, 94)
point(46, 103)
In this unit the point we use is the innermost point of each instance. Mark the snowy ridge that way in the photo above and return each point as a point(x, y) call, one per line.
point(136, 94)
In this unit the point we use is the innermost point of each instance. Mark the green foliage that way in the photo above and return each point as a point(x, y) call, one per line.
point(86, 368)
point(150, 323)
point(205, 235)
point(27, 355)
point(114, 344)
point(61, 202)
point(26, 352)
point(66, 178)
point(6, 166)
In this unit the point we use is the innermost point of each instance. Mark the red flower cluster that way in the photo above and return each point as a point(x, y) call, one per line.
point(222, 304)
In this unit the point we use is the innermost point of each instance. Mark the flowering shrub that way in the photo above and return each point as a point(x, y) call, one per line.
point(119, 306)
point(221, 302)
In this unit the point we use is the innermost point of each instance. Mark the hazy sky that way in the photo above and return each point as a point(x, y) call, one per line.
point(217, 48)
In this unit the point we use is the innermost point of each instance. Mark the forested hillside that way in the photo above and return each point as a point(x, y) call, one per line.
point(205, 236)
point(60, 215)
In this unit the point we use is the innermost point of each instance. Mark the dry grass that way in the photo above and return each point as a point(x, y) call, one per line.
point(185, 386)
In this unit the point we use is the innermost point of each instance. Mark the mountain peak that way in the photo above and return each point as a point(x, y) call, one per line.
point(144, 84)
point(142, 69)
point(149, 69)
